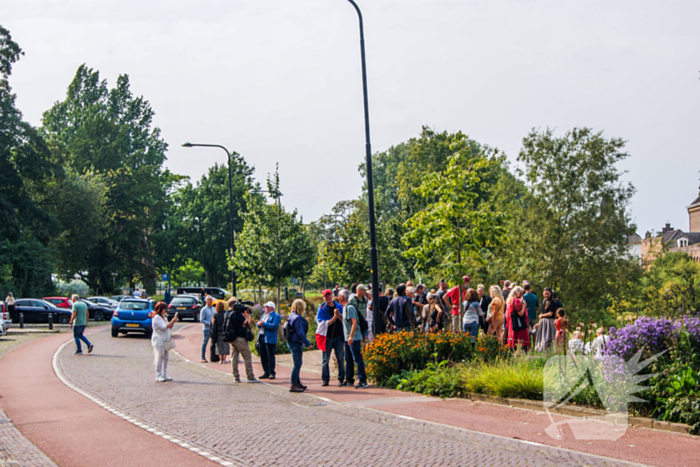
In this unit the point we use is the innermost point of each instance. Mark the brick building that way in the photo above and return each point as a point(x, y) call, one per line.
point(674, 240)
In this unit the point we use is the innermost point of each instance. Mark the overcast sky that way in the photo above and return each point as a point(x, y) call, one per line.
point(279, 80)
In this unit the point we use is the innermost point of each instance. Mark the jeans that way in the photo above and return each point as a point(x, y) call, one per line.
point(297, 349)
point(78, 336)
point(473, 328)
point(205, 340)
point(355, 356)
point(349, 364)
point(267, 357)
point(336, 345)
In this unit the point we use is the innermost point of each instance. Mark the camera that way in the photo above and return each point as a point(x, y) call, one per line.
point(242, 307)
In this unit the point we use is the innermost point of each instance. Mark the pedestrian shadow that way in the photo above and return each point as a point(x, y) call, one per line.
point(200, 383)
point(106, 356)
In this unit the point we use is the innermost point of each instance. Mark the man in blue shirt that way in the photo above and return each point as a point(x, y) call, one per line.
point(267, 338)
point(205, 316)
point(332, 312)
point(532, 303)
point(353, 337)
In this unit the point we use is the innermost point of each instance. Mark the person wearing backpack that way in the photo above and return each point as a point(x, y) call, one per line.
point(295, 330)
point(517, 320)
point(236, 332)
point(353, 338)
point(358, 299)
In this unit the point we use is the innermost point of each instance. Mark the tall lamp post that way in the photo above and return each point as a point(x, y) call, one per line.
point(230, 203)
point(377, 322)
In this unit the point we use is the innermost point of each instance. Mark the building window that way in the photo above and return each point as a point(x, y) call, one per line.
point(682, 242)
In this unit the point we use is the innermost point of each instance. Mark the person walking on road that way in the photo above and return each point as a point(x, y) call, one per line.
point(298, 327)
point(267, 338)
point(205, 316)
point(241, 323)
point(353, 337)
point(216, 332)
point(161, 335)
point(331, 312)
point(78, 322)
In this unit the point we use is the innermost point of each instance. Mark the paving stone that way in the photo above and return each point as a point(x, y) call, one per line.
point(264, 425)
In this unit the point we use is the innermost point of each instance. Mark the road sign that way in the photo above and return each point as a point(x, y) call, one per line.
point(165, 277)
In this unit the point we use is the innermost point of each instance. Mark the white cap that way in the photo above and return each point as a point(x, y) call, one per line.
point(270, 304)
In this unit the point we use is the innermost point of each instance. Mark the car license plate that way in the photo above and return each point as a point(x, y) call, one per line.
point(129, 325)
point(181, 308)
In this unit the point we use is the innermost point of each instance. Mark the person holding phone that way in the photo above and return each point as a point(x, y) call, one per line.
point(161, 333)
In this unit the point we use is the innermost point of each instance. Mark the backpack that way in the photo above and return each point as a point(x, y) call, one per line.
point(362, 321)
point(518, 322)
point(229, 331)
point(287, 330)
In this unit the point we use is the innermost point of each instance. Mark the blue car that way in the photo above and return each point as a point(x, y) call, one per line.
point(133, 315)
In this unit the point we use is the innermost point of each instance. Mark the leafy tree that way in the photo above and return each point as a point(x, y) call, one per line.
point(274, 245)
point(203, 217)
point(109, 132)
point(24, 163)
point(569, 229)
point(454, 227)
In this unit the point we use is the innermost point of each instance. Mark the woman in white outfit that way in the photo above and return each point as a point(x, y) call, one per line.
point(161, 333)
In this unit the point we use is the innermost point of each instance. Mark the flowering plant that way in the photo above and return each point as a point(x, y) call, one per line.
point(390, 354)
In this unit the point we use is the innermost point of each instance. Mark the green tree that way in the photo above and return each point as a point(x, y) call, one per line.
point(25, 162)
point(274, 244)
point(569, 229)
point(203, 217)
point(454, 227)
point(109, 132)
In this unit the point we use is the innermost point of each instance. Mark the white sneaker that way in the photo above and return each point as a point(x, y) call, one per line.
point(160, 379)
point(253, 381)
point(168, 378)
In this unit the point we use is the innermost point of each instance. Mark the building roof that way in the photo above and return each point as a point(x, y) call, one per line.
point(695, 203)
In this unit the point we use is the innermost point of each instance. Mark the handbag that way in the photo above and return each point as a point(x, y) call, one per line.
point(168, 344)
point(518, 322)
point(249, 336)
point(214, 357)
point(489, 313)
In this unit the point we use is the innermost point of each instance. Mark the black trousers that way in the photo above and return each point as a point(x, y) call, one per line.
point(267, 357)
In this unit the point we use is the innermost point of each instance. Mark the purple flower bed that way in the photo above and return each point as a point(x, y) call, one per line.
point(654, 335)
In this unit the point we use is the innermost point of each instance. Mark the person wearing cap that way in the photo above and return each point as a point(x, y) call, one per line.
point(331, 311)
point(267, 338)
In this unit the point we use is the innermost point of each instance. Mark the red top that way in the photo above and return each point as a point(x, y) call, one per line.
point(453, 293)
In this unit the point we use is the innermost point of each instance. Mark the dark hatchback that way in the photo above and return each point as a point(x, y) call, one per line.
point(186, 306)
point(38, 311)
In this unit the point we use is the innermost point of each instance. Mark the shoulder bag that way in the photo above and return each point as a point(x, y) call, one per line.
point(168, 344)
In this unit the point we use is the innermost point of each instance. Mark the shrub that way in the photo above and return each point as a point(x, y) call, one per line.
point(517, 377)
point(436, 380)
point(489, 348)
point(389, 354)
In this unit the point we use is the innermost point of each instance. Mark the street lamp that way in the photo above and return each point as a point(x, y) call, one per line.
point(377, 322)
point(230, 202)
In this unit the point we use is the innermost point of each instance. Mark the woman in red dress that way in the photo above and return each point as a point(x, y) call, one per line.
point(516, 320)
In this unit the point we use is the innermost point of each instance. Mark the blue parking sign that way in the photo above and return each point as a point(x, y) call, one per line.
point(165, 277)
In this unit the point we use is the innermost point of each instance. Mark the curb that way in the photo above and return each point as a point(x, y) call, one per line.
point(584, 412)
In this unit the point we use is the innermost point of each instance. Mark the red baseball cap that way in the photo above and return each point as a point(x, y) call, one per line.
point(326, 292)
point(466, 278)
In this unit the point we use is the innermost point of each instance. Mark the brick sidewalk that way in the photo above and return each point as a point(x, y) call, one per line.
point(264, 425)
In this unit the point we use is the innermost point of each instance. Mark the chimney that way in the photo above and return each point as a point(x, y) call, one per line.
point(668, 228)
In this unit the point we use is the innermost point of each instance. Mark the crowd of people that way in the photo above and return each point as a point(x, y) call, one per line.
point(511, 313)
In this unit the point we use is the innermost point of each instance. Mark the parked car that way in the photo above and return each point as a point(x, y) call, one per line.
point(105, 301)
point(61, 302)
point(133, 315)
point(119, 298)
point(216, 292)
point(188, 306)
point(37, 311)
point(97, 312)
